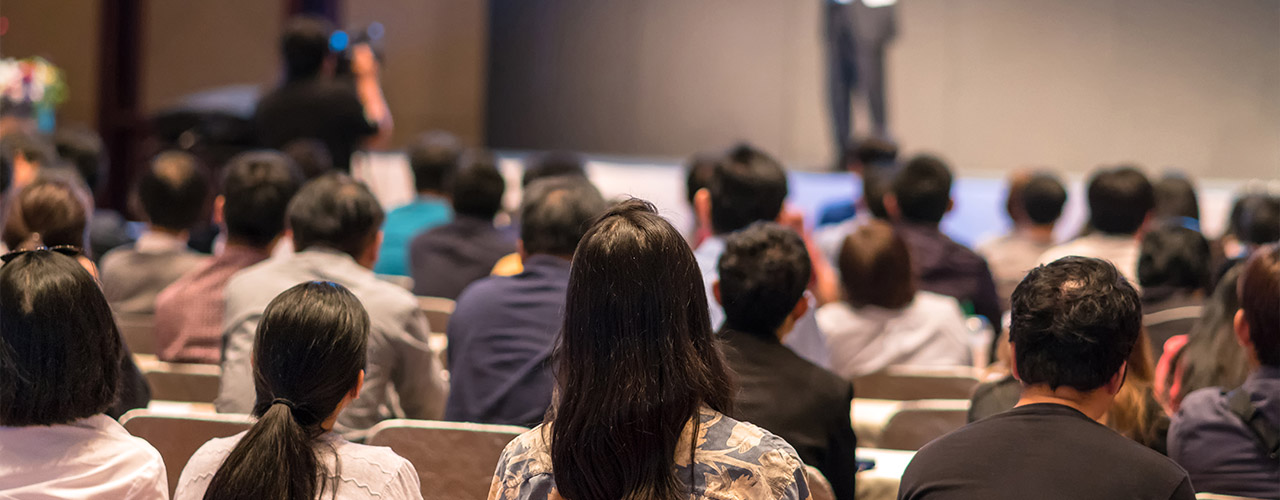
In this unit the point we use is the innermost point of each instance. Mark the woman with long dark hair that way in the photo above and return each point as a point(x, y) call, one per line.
point(642, 386)
point(309, 364)
point(1208, 355)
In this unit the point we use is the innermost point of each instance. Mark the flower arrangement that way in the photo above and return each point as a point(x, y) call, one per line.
point(31, 88)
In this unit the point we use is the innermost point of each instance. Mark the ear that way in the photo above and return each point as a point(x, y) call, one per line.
point(520, 251)
point(802, 306)
point(1013, 361)
point(702, 207)
point(1117, 381)
point(951, 204)
point(370, 256)
point(715, 290)
point(218, 204)
point(355, 391)
point(891, 207)
point(1243, 335)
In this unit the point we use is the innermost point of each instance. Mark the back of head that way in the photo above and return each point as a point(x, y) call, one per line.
point(84, 149)
point(1119, 200)
point(876, 183)
point(310, 155)
point(1075, 322)
point(556, 212)
point(764, 271)
point(18, 146)
point(309, 349)
point(173, 191)
point(256, 189)
point(1212, 357)
point(55, 367)
point(1175, 196)
point(747, 185)
point(1043, 197)
point(1171, 255)
point(875, 267)
point(698, 172)
point(872, 152)
point(1256, 219)
point(478, 186)
point(433, 158)
point(554, 164)
point(922, 188)
point(49, 212)
point(1260, 301)
point(636, 359)
point(305, 46)
point(336, 212)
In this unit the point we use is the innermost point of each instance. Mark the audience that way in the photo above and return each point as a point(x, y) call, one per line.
point(445, 259)
point(868, 158)
point(749, 186)
point(172, 192)
point(22, 155)
point(312, 104)
point(537, 167)
point(433, 159)
point(883, 319)
point(1229, 441)
point(1075, 322)
point(921, 197)
point(642, 385)
point(1208, 355)
point(503, 330)
point(1174, 197)
point(1034, 204)
point(763, 275)
point(256, 189)
point(83, 148)
point(310, 357)
point(1120, 202)
point(1254, 222)
point(334, 223)
point(1173, 269)
point(310, 155)
point(59, 374)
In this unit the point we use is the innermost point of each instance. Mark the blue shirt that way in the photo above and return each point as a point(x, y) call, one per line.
point(402, 225)
point(501, 336)
point(1218, 450)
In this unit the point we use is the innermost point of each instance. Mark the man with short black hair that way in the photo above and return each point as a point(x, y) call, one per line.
point(503, 330)
point(256, 189)
point(764, 272)
point(1120, 201)
point(1034, 204)
point(173, 192)
point(334, 222)
point(747, 185)
point(1229, 441)
point(920, 197)
point(22, 155)
point(433, 159)
point(312, 104)
point(445, 259)
point(1075, 322)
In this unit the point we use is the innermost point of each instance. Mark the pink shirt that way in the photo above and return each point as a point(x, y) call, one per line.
point(188, 325)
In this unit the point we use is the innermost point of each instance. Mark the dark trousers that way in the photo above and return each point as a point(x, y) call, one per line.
point(852, 65)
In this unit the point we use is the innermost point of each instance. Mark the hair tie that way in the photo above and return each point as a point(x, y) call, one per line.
point(283, 401)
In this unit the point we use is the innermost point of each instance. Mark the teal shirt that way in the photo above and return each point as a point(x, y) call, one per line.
point(402, 225)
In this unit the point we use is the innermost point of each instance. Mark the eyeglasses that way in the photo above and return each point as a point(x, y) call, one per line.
point(68, 250)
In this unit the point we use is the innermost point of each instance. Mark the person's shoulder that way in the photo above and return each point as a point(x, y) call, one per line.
point(372, 465)
point(484, 290)
point(206, 460)
point(117, 256)
point(383, 296)
point(1200, 406)
point(252, 277)
point(741, 449)
point(526, 456)
point(833, 316)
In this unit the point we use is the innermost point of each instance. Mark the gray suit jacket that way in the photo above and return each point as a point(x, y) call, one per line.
point(400, 364)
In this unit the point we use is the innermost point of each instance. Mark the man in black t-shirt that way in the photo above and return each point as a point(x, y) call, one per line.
point(1075, 322)
point(312, 104)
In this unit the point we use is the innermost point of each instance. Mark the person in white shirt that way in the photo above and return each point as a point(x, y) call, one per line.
point(884, 320)
point(59, 373)
point(310, 354)
point(1120, 204)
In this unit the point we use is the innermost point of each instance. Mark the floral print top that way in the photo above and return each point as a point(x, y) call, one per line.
point(733, 461)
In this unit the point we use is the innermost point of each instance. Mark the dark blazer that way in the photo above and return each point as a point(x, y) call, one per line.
point(797, 400)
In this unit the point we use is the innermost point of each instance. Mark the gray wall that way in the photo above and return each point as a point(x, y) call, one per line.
point(992, 84)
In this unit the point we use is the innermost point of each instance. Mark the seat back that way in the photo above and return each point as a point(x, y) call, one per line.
point(454, 460)
point(438, 311)
point(908, 383)
point(177, 437)
point(918, 422)
point(1215, 496)
point(819, 487)
point(183, 381)
point(137, 330)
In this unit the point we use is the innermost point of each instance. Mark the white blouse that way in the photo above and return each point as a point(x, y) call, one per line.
point(366, 472)
point(930, 331)
point(90, 458)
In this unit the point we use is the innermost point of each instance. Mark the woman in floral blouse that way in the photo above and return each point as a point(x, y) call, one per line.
point(642, 386)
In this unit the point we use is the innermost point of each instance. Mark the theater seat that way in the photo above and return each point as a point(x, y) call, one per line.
point(177, 437)
point(137, 332)
point(908, 383)
point(438, 311)
point(918, 422)
point(819, 487)
point(454, 460)
point(1212, 496)
point(187, 382)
